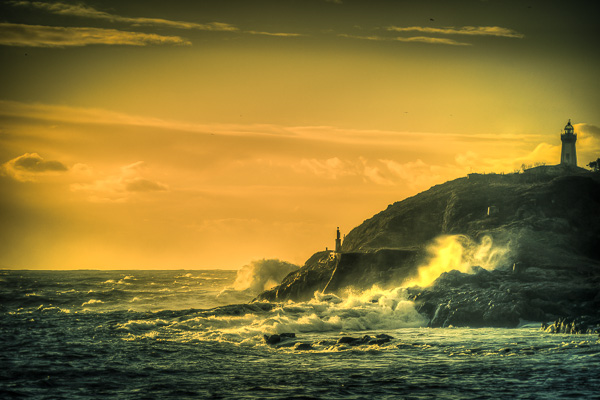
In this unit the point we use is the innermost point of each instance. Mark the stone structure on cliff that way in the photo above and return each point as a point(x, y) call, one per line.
point(568, 155)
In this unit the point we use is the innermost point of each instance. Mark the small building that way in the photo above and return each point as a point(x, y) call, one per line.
point(568, 154)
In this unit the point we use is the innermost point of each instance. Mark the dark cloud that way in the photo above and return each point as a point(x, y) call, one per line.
point(30, 165)
point(34, 163)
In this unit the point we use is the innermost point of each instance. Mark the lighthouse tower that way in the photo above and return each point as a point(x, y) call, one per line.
point(338, 241)
point(568, 156)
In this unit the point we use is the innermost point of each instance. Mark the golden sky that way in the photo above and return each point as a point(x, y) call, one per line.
point(207, 134)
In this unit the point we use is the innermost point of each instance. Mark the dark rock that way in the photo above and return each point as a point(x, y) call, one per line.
point(272, 339)
point(303, 346)
point(287, 335)
point(347, 340)
point(574, 326)
point(380, 340)
point(354, 341)
point(276, 338)
point(384, 336)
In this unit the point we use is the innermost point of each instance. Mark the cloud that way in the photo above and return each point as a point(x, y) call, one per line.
point(587, 129)
point(84, 11)
point(415, 39)
point(96, 116)
point(335, 168)
point(419, 175)
point(543, 153)
point(119, 188)
point(30, 165)
point(425, 39)
point(465, 30)
point(331, 134)
point(279, 34)
point(143, 185)
point(332, 168)
point(55, 36)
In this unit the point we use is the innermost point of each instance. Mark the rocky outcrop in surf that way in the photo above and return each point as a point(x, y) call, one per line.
point(532, 240)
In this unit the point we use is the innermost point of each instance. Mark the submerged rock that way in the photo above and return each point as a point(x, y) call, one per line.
point(303, 346)
point(365, 340)
point(276, 338)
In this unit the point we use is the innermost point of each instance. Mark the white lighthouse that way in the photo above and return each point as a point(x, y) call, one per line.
point(568, 155)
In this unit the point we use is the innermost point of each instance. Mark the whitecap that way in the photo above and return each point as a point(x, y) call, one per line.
point(91, 302)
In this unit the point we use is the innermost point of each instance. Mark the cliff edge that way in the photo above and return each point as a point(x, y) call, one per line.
point(540, 229)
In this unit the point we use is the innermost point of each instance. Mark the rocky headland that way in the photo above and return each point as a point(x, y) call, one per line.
point(539, 231)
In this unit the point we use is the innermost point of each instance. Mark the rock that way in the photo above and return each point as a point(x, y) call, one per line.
point(380, 340)
point(355, 341)
point(548, 217)
point(287, 335)
point(276, 338)
point(347, 340)
point(384, 336)
point(574, 326)
point(303, 346)
point(272, 339)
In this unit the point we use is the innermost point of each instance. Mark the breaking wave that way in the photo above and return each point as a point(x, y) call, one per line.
point(256, 277)
point(374, 309)
point(461, 253)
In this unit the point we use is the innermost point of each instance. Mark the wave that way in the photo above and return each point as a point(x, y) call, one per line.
point(374, 309)
point(256, 277)
point(461, 253)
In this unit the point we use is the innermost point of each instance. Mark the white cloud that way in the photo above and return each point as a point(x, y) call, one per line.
point(84, 11)
point(55, 36)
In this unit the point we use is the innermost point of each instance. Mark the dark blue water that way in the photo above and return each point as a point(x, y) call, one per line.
point(155, 334)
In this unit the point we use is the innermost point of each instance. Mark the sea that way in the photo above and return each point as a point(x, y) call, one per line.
point(190, 334)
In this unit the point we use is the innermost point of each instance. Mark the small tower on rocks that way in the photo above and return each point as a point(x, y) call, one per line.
point(338, 241)
point(568, 156)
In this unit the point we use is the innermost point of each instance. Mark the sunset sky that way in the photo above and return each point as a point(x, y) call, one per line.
point(210, 133)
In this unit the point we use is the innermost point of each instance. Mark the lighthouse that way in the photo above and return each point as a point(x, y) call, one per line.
point(568, 156)
point(338, 241)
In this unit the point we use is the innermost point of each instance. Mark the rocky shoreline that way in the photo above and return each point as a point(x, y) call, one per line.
point(543, 228)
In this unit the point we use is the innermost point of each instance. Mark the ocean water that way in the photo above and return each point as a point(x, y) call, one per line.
point(190, 334)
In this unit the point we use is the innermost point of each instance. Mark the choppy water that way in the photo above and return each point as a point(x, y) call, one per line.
point(153, 334)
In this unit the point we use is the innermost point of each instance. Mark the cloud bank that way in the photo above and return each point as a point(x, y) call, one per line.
point(84, 11)
point(56, 36)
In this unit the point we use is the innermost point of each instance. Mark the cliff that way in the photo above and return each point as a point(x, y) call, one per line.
point(546, 218)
